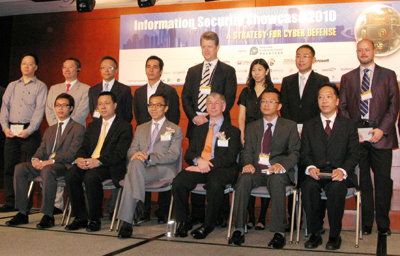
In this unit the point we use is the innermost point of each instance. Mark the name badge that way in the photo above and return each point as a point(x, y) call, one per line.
point(96, 114)
point(264, 159)
point(205, 89)
point(366, 95)
point(223, 143)
point(364, 135)
point(165, 137)
point(16, 128)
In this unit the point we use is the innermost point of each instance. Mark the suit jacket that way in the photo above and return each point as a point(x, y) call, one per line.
point(116, 145)
point(224, 157)
point(223, 81)
point(340, 150)
point(140, 103)
point(124, 99)
point(304, 108)
point(166, 154)
point(285, 145)
point(383, 107)
point(80, 94)
point(70, 141)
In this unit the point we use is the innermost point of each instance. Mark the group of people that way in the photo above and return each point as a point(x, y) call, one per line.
point(265, 150)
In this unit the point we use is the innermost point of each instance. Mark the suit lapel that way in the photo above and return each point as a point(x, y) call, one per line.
point(320, 131)
point(217, 70)
point(52, 132)
point(296, 89)
point(64, 134)
point(161, 131)
point(113, 128)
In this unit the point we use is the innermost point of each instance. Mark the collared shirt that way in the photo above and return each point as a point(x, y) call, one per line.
point(109, 121)
point(304, 76)
point(273, 122)
point(217, 127)
point(72, 84)
point(24, 103)
point(110, 85)
point(151, 89)
point(65, 122)
point(159, 122)
point(212, 67)
point(370, 75)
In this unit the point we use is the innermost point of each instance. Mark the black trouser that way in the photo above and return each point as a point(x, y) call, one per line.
point(17, 150)
point(92, 180)
point(164, 199)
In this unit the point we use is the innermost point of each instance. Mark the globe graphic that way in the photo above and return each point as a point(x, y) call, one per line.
point(381, 24)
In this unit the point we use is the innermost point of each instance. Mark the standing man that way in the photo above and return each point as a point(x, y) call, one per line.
point(154, 67)
point(101, 157)
point(212, 158)
point(108, 71)
point(154, 155)
point(79, 91)
point(52, 159)
point(271, 151)
point(330, 152)
point(369, 95)
point(21, 114)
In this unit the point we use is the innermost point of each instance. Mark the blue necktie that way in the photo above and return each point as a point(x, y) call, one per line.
point(364, 88)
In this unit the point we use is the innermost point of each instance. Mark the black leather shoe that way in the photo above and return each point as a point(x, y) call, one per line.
point(277, 242)
point(77, 224)
point(18, 219)
point(313, 242)
point(125, 231)
point(57, 211)
point(334, 243)
point(182, 229)
point(381, 247)
point(46, 222)
point(237, 238)
point(7, 208)
point(367, 230)
point(93, 226)
point(201, 232)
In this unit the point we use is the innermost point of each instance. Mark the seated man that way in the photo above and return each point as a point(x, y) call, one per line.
point(154, 155)
point(101, 157)
point(52, 159)
point(212, 156)
point(330, 150)
point(271, 152)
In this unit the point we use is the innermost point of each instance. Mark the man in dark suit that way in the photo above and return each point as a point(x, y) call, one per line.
point(212, 158)
point(102, 156)
point(154, 68)
point(108, 71)
point(271, 152)
point(330, 152)
point(369, 95)
point(52, 159)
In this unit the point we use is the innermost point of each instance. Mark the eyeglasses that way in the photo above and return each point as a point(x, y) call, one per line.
point(269, 102)
point(155, 105)
point(61, 106)
point(107, 68)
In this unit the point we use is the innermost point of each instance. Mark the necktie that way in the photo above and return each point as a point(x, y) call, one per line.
point(207, 150)
point(302, 85)
point(58, 136)
point(328, 129)
point(266, 141)
point(205, 81)
point(68, 87)
point(100, 142)
point(153, 137)
point(364, 88)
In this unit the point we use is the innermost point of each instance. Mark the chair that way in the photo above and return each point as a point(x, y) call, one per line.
point(351, 192)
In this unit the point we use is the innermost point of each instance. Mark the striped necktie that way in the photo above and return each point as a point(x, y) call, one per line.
point(364, 88)
point(205, 81)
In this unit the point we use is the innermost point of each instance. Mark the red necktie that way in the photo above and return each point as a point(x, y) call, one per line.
point(68, 87)
point(328, 129)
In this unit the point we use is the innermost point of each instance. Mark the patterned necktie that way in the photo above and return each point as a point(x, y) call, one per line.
point(58, 136)
point(328, 129)
point(266, 141)
point(153, 137)
point(207, 150)
point(68, 87)
point(364, 88)
point(100, 142)
point(205, 81)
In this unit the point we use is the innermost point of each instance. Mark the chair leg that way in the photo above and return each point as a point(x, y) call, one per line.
point(69, 213)
point(116, 208)
point(358, 196)
point(228, 236)
point(30, 189)
point(171, 204)
point(293, 213)
point(299, 213)
point(65, 212)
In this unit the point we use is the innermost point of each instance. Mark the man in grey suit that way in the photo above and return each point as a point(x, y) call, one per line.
point(154, 155)
point(52, 159)
point(271, 151)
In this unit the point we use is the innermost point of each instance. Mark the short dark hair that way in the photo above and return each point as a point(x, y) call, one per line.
point(71, 101)
point(106, 93)
point(272, 90)
point(331, 85)
point(307, 46)
point(76, 61)
point(162, 95)
point(34, 56)
point(210, 35)
point(110, 58)
point(160, 61)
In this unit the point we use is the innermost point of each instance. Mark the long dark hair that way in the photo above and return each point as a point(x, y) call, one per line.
point(268, 81)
